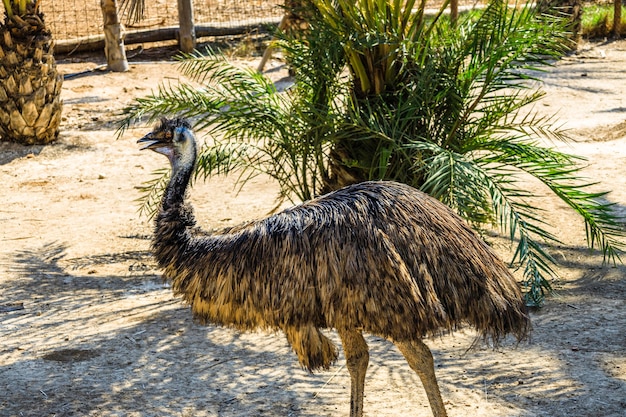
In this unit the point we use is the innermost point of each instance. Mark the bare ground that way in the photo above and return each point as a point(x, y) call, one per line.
point(88, 329)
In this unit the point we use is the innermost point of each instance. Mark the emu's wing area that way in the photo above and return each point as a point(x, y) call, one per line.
point(378, 256)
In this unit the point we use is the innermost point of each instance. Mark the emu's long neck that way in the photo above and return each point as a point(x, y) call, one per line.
point(175, 192)
point(175, 217)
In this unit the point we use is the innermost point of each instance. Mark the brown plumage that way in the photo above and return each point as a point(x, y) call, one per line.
point(376, 257)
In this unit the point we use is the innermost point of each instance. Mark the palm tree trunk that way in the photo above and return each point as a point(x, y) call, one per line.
point(30, 85)
point(294, 22)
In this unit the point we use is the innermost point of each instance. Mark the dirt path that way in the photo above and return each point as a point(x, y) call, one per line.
point(87, 328)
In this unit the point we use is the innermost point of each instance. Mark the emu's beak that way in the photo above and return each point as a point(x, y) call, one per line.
point(157, 144)
point(150, 141)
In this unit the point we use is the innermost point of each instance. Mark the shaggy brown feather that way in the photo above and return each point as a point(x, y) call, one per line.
point(376, 257)
point(381, 257)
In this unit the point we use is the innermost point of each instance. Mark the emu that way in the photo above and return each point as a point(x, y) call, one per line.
point(376, 257)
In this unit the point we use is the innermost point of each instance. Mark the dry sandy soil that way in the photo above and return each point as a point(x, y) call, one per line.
point(88, 329)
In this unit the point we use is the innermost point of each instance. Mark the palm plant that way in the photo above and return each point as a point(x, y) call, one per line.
point(438, 106)
point(443, 108)
point(30, 85)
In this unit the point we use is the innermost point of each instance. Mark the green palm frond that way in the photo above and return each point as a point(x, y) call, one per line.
point(221, 159)
point(373, 34)
point(151, 191)
point(562, 174)
point(226, 89)
point(19, 7)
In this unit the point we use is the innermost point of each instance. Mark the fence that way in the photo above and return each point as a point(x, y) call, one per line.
point(77, 24)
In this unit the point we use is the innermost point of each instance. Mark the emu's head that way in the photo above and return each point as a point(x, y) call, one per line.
point(174, 139)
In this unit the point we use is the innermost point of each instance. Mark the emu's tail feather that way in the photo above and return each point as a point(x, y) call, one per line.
point(314, 350)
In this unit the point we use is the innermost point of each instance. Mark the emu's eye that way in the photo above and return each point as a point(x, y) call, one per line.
point(179, 135)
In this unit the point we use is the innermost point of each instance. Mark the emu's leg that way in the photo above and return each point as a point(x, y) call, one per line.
point(421, 361)
point(357, 359)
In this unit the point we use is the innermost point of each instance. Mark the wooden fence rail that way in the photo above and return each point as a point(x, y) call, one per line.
point(77, 25)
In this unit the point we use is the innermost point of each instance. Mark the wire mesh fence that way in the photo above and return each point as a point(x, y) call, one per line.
point(81, 19)
point(74, 22)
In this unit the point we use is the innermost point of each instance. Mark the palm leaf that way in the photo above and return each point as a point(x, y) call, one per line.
point(151, 192)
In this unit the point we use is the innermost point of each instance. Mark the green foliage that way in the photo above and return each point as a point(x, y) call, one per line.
point(597, 20)
point(454, 122)
point(445, 108)
point(18, 7)
point(372, 34)
point(151, 191)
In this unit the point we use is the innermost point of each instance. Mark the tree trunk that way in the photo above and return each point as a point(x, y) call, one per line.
point(294, 23)
point(617, 18)
point(296, 20)
point(186, 33)
point(30, 85)
point(454, 11)
point(113, 37)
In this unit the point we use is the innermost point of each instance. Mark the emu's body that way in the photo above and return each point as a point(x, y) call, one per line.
point(377, 257)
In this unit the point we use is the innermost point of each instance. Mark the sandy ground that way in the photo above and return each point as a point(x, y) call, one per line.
point(88, 329)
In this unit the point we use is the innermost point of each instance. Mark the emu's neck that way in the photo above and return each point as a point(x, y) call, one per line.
point(175, 217)
point(176, 190)
point(182, 168)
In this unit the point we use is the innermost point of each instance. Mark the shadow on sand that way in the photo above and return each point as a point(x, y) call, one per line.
point(122, 345)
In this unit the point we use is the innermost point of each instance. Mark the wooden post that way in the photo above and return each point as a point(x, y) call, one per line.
point(113, 37)
point(187, 32)
point(270, 48)
point(454, 11)
point(294, 23)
